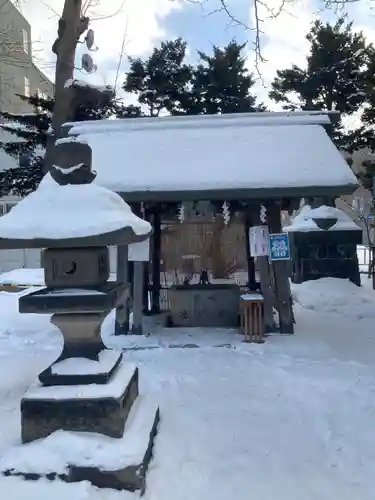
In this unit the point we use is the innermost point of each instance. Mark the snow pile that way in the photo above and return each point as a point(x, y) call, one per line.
point(69, 139)
point(61, 449)
point(333, 295)
point(290, 419)
point(81, 83)
point(43, 489)
point(31, 277)
point(71, 211)
point(304, 220)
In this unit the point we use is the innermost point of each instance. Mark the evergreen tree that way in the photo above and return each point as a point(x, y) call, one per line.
point(165, 83)
point(31, 131)
point(335, 76)
point(162, 81)
point(222, 83)
point(364, 136)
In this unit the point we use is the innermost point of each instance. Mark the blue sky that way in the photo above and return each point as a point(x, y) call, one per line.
point(209, 27)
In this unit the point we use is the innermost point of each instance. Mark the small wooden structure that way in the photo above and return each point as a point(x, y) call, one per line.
point(252, 317)
point(246, 160)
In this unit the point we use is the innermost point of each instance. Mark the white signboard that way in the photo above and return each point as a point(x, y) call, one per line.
point(139, 252)
point(258, 237)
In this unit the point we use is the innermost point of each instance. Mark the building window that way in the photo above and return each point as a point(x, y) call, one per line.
point(27, 87)
point(25, 41)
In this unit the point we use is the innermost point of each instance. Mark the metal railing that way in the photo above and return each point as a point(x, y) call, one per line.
point(364, 258)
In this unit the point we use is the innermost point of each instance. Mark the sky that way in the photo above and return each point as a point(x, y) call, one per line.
point(139, 25)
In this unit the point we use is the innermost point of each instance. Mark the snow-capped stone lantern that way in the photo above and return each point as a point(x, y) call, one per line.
point(324, 244)
point(87, 389)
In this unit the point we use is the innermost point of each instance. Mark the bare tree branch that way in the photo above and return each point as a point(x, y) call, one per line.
point(256, 27)
point(262, 13)
point(122, 53)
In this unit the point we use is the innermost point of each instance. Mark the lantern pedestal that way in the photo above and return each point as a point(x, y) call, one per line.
point(101, 408)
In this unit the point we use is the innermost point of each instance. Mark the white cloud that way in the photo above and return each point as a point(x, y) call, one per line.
point(283, 41)
point(139, 18)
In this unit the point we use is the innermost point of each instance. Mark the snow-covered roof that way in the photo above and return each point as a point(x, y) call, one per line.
point(303, 222)
point(249, 155)
point(56, 213)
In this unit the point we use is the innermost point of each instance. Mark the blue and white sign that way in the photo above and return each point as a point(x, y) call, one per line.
point(279, 248)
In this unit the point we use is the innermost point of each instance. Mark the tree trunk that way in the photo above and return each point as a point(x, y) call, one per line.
point(71, 27)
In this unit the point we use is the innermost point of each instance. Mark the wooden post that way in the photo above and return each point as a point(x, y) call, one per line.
point(156, 255)
point(267, 292)
point(145, 291)
point(217, 254)
point(251, 280)
point(281, 275)
point(122, 310)
point(137, 298)
point(265, 281)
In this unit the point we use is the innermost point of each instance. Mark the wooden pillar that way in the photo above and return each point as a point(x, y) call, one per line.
point(137, 298)
point(136, 209)
point(281, 276)
point(145, 292)
point(122, 310)
point(131, 277)
point(265, 280)
point(248, 222)
point(156, 255)
point(267, 292)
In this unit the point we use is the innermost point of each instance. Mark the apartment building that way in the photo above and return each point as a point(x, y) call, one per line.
point(18, 75)
point(18, 72)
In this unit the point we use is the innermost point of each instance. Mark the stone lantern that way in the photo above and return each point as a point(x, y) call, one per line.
point(88, 388)
point(324, 244)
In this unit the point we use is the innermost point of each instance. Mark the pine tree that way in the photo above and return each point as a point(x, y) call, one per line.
point(161, 81)
point(335, 76)
point(222, 83)
point(364, 136)
point(31, 131)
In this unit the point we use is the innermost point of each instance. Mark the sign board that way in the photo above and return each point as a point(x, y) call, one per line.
point(258, 237)
point(279, 248)
point(140, 251)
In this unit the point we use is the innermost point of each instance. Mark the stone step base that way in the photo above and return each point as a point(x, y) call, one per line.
point(119, 464)
point(101, 408)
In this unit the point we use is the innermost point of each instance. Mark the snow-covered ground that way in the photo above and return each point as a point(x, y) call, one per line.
point(292, 419)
